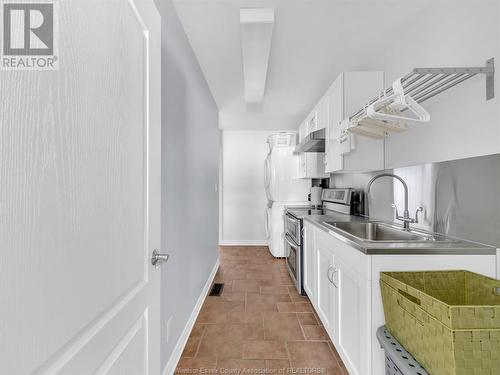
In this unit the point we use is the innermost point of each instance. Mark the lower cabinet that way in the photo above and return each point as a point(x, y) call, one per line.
point(309, 262)
point(353, 339)
point(343, 285)
point(327, 296)
point(341, 297)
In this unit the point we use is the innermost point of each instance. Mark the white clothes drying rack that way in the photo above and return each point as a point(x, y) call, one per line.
point(424, 83)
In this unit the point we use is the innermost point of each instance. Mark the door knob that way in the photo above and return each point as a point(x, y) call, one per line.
point(157, 259)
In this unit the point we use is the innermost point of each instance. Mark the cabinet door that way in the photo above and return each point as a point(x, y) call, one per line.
point(327, 291)
point(353, 339)
point(302, 166)
point(335, 101)
point(314, 165)
point(322, 113)
point(310, 271)
point(313, 120)
point(303, 130)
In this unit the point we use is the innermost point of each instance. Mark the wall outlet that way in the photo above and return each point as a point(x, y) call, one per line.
point(169, 323)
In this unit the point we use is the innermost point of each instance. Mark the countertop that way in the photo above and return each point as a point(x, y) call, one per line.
point(458, 246)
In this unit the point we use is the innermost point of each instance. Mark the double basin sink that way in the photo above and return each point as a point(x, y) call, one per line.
point(382, 232)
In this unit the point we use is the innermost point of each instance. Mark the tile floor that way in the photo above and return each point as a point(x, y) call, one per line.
point(259, 322)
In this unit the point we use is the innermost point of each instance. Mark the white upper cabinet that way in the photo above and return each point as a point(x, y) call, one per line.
point(318, 118)
point(312, 121)
point(303, 130)
point(345, 152)
point(335, 100)
point(311, 165)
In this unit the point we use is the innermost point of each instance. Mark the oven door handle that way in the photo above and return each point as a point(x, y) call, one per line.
point(292, 219)
point(290, 241)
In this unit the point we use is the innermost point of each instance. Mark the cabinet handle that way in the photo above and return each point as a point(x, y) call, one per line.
point(330, 278)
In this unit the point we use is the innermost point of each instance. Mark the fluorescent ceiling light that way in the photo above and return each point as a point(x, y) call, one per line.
point(256, 32)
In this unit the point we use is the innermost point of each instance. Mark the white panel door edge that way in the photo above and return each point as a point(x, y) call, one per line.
point(80, 198)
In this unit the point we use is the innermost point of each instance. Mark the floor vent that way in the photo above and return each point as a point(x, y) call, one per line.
point(216, 289)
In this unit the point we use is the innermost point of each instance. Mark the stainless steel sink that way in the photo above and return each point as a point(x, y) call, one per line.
point(381, 232)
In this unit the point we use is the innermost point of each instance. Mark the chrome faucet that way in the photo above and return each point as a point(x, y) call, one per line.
point(406, 219)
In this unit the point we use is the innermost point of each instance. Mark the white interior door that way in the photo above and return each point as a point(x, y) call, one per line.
point(80, 198)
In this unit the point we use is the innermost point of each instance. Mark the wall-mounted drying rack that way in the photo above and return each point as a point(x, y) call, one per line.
point(417, 86)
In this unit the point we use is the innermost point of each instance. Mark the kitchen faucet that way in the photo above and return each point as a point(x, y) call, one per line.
point(406, 219)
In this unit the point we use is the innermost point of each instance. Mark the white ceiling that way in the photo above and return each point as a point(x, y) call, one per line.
point(313, 41)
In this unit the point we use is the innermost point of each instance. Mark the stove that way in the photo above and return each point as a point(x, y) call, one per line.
point(337, 200)
point(300, 212)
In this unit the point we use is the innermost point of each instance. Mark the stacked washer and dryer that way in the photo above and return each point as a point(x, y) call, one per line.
point(283, 188)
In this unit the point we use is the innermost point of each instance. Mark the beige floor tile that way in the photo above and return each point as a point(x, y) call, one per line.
point(228, 295)
point(211, 316)
point(278, 364)
point(254, 332)
point(191, 347)
point(241, 364)
point(311, 354)
point(247, 286)
point(259, 321)
point(233, 275)
point(264, 349)
point(315, 332)
point(296, 297)
point(294, 307)
point(264, 302)
point(307, 318)
point(245, 317)
point(259, 275)
point(274, 289)
point(269, 297)
point(197, 363)
point(197, 330)
point(223, 341)
point(282, 326)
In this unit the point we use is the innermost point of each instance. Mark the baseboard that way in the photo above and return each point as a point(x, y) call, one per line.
point(243, 243)
point(181, 342)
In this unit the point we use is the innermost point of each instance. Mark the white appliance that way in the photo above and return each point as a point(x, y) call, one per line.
point(282, 188)
point(316, 196)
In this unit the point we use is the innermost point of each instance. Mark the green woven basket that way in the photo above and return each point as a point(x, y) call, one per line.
point(448, 320)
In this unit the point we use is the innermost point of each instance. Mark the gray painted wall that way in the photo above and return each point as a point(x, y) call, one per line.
point(190, 157)
point(460, 197)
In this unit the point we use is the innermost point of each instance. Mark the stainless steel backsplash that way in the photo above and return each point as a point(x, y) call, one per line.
point(460, 197)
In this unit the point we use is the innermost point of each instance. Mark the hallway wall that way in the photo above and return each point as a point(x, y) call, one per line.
point(190, 203)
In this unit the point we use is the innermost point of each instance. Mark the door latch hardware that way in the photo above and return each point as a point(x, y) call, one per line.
point(158, 259)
